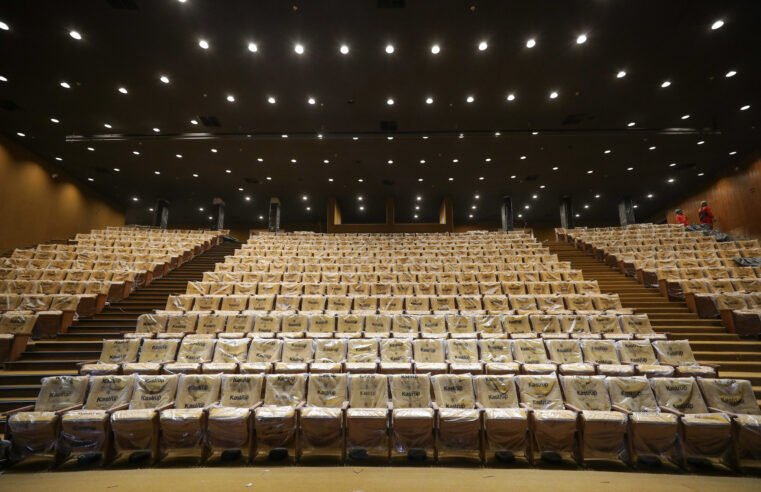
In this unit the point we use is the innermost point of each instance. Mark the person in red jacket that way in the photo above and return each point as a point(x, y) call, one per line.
point(705, 214)
point(681, 218)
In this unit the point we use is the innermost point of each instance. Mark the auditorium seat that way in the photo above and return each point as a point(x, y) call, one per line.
point(458, 421)
point(412, 417)
point(229, 427)
point(275, 422)
point(367, 418)
point(505, 423)
point(321, 420)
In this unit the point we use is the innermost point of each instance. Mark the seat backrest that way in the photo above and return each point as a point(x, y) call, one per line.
point(604, 323)
point(158, 350)
point(453, 391)
point(377, 324)
point(195, 350)
point(540, 392)
point(433, 324)
point(265, 350)
point(633, 394)
point(636, 352)
point(153, 391)
point(496, 391)
point(517, 323)
point(330, 350)
point(269, 323)
point(197, 390)
point(241, 390)
point(327, 390)
point(674, 352)
point(429, 350)
point(108, 392)
point(362, 350)
point(298, 350)
point(564, 351)
point(462, 350)
point(59, 392)
point(586, 392)
point(284, 390)
point(636, 323)
point(530, 351)
point(15, 323)
point(231, 350)
point(730, 395)
point(118, 350)
point(368, 390)
point(600, 351)
point(395, 350)
point(488, 323)
point(411, 390)
point(681, 394)
point(496, 350)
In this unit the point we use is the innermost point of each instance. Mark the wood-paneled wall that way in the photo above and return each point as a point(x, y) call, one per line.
point(35, 207)
point(735, 201)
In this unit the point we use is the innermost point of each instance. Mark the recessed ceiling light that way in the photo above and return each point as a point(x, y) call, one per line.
point(511, 97)
point(535, 197)
point(701, 142)
point(203, 44)
point(717, 24)
point(477, 197)
point(156, 130)
point(419, 198)
point(701, 174)
point(135, 199)
point(293, 161)
point(3, 79)
point(513, 176)
point(91, 149)
point(527, 207)
point(54, 120)
point(586, 205)
point(59, 159)
point(156, 172)
point(4, 26)
point(107, 125)
point(75, 35)
point(360, 198)
point(389, 138)
point(535, 133)
point(665, 83)
point(195, 175)
point(425, 137)
point(497, 134)
point(451, 179)
point(390, 101)
point(597, 196)
point(621, 74)
point(429, 100)
point(361, 208)
point(733, 152)
point(269, 178)
point(488, 159)
point(652, 147)
point(555, 168)
point(590, 171)
point(136, 152)
point(284, 135)
point(470, 216)
point(420, 180)
point(470, 99)
point(271, 100)
point(311, 101)
point(179, 156)
point(325, 161)
point(685, 117)
point(473, 207)
point(65, 85)
point(631, 123)
point(481, 178)
point(581, 39)
point(298, 48)
point(531, 43)
point(415, 216)
point(305, 198)
point(673, 164)
point(330, 180)
point(194, 122)
point(731, 74)
point(261, 217)
point(150, 209)
point(435, 49)
point(455, 160)
point(577, 216)
point(422, 161)
point(344, 49)
point(670, 180)
point(461, 135)
point(553, 95)
point(360, 180)
point(606, 151)
point(164, 79)
point(230, 98)
point(228, 171)
point(253, 48)
point(123, 90)
point(650, 195)
point(200, 209)
point(90, 179)
point(240, 189)
point(389, 48)
point(482, 46)
point(523, 157)
point(745, 108)
point(355, 138)
point(630, 169)
point(390, 161)
point(319, 135)
point(542, 187)
point(259, 159)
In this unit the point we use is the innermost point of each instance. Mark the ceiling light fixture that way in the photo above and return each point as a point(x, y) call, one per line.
point(3, 79)
point(107, 125)
point(435, 49)
point(344, 49)
point(179, 156)
point(195, 175)
point(75, 35)
point(65, 85)
point(581, 39)
point(511, 97)
point(389, 48)
point(91, 149)
point(311, 101)
point(451, 179)
point(531, 43)
point(271, 100)
point(701, 142)
point(685, 117)
point(482, 46)
point(298, 48)
point(54, 120)
point(470, 99)
point(670, 180)
point(164, 79)
point(203, 44)
point(253, 48)
point(652, 147)
point(122, 90)
point(230, 98)
point(731, 74)
point(429, 100)
point(745, 108)
point(631, 123)
point(553, 95)
point(621, 74)
point(717, 24)
point(90, 179)
point(4, 26)
point(156, 130)
point(156, 172)
point(665, 83)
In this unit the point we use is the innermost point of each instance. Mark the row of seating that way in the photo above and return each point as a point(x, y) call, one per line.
point(351, 265)
point(403, 277)
point(294, 325)
point(198, 354)
point(486, 418)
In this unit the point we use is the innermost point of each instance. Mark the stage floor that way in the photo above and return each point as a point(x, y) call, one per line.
point(364, 479)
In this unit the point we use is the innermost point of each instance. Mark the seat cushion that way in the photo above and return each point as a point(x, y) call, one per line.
point(274, 412)
point(320, 413)
point(26, 418)
point(182, 414)
point(413, 413)
point(455, 414)
point(601, 416)
point(653, 418)
point(554, 415)
point(99, 369)
point(85, 416)
point(228, 413)
point(506, 414)
point(367, 413)
point(133, 415)
point(718, 419)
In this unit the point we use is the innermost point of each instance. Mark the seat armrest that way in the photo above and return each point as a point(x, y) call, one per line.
point(27, 408)
point(69, 409)
point(435, 407)
point(165, 407)
point(390, 405)
point(671, 411)
point(123, 406)
point(620, 409)
point(210, 405)
point(716, 410)
point(344, 406)
point(571, 407)
point(82, 363)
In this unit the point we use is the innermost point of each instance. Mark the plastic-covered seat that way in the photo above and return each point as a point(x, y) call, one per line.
point(296, 355)
point(602, 431)
point(321, 420)
point(153, 354)
point(603, 354)
point(183, 427)
point(114, 353)
point(88, 431)
point(430, 356)
point(262, 354)
point(678, 353)
point(329, 356)
point(735, 398)
point(275, 422)
point(228, 353)
point(489, 326)
point(461, 326)
point(433, 326)
point(462, 356)
point(349, 326)
point(405, 326)
point(567, 355)
point(396, 356)
point(136, 429)
point(377, 326)
point(229, 426)
point(367, 418)
point(706, 437)
point(653, 435)
point(532, 356)
point(505, 424)
point(192, 353)
point(497, 356)
point(362, 356)
point(553, 428)
point(640, 354)
point(518, 326)
point(458, 421)
point(33, 430)
point(412, 417)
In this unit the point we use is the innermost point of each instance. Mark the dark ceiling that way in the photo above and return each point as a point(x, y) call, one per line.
point(132, 43)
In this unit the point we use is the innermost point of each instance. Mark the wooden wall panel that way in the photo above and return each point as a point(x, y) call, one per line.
point(35, 208)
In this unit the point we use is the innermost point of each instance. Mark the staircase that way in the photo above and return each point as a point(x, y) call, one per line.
point(20, 380)
point(710, 341)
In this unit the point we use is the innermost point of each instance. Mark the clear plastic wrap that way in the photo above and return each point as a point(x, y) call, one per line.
point(233, 350)
point(458, 426)
point(429, 355)
point(433, 326)
point(321, 420)
point(182, 428)
point(489, 326)
point(678, 353)
point(412, 417)
point(377, 325)
point(405, 325)
point(544, 323)
point(275, 422)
